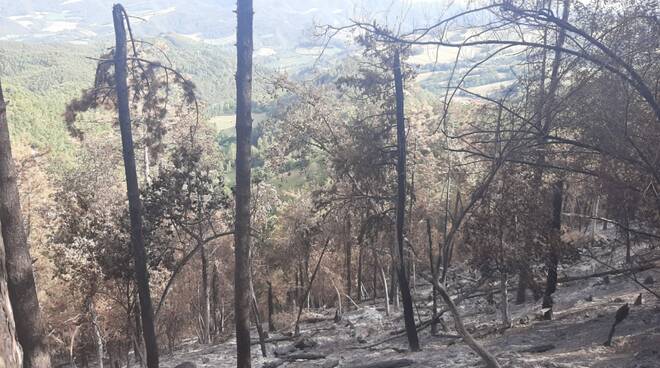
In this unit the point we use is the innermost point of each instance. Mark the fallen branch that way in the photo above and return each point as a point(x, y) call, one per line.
point(273, 339)
point(293, 358)
point(397, 363)
point(304, 356)
point(312, 320)
point(606, 273)
point(615, 223)
point(564, 279)
point(488, 358)
point(539, 349)
point(632, 276)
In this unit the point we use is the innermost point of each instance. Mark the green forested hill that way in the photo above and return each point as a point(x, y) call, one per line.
point(40, 79)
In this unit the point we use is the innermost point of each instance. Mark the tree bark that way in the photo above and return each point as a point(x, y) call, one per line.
point(408, 312)
point(244, 48)
point(20, 278)
point(11, 354)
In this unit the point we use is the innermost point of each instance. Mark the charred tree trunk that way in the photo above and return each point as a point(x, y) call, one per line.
point(206, 299)
point(295, 292)
point(360, 282)
point(137, 235)
point(244, 14)
point(216, 301)
point(504, 287)
point(11, 354)
point(271, 325)
point(72, 343)
point(98, 336)
point(626, 234)
point(309, 287)
point(434, 311)
point(257, 321)
point(408, 312)
point(553, 254)
point(338, 311)
point(394, 291)
point(20, 278)
point(521, 291)
point(557, 188)
point(348, 256)
point(386, 293)
point(374, 274)
point(138, 343)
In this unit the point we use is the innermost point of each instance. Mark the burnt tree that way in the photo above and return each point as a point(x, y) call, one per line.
point(11, 354)
point(242, 297)
point(18, 263)
point(132, 188)
point(408, 312)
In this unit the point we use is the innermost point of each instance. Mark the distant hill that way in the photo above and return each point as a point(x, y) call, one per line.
point(45, 45)
point(279, 24)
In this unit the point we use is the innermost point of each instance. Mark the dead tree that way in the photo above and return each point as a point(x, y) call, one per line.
point(205, 301)
point(242, 297)
point(504, 304)
point(20, 277)
point(134, 205)
point(408, 312)
point(385, 292)
point(98, 336)
point(552, 260)
point(216, 302)
point(271, 308)
point(200, 242)
point(434, 311)
point(348, 248)
point(296, 328)
point(257, 321)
